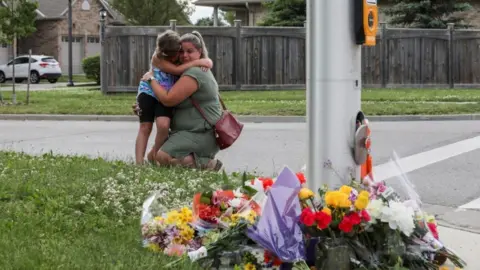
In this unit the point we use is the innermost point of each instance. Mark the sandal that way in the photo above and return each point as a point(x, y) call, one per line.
point(218, 165)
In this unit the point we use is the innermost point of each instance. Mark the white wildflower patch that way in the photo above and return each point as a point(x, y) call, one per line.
point(122, 194)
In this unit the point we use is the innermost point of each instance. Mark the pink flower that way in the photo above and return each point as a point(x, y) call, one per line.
point(175, 250)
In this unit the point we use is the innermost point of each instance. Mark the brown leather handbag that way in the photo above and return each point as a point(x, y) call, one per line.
point(227, 129)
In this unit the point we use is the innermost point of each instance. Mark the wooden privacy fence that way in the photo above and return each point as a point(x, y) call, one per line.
point(248, 58)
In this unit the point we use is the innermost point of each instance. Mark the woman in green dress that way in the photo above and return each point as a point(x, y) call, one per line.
point(192, 140)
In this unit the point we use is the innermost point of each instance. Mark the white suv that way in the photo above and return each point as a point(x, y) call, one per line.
point(42, 67)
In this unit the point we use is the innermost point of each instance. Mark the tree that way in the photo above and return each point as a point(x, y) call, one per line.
point(285, 13)
point(208, 21)
point(17, 20)
point(426, 14)
point(229, 16)
point(154, 12)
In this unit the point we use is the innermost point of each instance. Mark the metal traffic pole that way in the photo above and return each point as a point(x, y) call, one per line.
point(333, 92)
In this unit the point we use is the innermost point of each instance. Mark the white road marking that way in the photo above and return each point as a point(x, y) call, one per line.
point(420, 160)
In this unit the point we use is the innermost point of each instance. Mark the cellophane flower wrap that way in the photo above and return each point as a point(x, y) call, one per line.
point(278, 230)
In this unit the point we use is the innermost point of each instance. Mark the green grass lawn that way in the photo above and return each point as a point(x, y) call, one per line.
point(60, 212)
point(374, 102)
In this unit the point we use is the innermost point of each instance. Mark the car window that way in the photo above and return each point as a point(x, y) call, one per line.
point(49, 60)
point(21, 60)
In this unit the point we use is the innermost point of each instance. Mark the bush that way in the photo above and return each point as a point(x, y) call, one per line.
point(91, 67)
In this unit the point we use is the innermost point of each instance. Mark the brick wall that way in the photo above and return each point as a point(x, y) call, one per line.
point(43, 41)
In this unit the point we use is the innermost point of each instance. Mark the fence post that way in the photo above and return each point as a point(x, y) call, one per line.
point(173, 25)
point(450, 54)
point(383, 55)
point(238, 47)
point(103, 58)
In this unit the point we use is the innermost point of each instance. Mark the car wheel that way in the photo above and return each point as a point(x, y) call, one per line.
point(2, 77)
point(34, 77)
point(52, 80)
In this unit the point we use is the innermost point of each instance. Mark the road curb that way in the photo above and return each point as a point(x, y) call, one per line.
point(242, 118)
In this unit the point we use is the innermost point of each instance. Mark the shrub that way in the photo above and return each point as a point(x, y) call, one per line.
point(91, 67)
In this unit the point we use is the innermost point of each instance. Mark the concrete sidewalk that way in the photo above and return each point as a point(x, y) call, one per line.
point(465, 244)
point(242, 118)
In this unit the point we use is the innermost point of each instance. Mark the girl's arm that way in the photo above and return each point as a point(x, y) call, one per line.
point(181, 90)
point(171, 68)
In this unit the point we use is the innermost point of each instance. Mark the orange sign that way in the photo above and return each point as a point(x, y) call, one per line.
point(370, 21)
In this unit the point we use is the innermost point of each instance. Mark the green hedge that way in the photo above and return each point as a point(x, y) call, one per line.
point(91, 67)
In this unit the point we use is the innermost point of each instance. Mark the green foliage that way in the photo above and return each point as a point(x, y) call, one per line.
point(229, 16)
point(208, 21)
point(426, 13)
point(154, 12)
point(17, 19)
point(91, 67)
point(285, 13)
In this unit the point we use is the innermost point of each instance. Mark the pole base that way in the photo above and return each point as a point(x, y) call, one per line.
point(70, 84)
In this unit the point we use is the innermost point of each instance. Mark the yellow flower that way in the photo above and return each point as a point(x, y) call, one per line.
point(331, 198)
point(234, 219)
point(327, 211)
point(344, 201)
point(159, 219)
point(305, 194)
point(172, 217)
point(346, 189)
point(185, 216)
point(250, 266)
point(186, 233)
point(361, 202)
point(364, 193)
point(153, 247)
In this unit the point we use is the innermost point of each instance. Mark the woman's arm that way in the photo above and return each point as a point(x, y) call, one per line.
point(171, 68)
point(180, 91)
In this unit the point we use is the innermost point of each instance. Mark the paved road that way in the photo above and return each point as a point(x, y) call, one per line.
point(444, 185)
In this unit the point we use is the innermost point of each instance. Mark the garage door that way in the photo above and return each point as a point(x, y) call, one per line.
point(93, 46)
point(77, 55)
point(4, 54)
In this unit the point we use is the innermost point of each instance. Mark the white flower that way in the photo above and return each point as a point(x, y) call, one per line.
point(235, 203)
point(237, 193)
point(398, 216)
point(374, 209)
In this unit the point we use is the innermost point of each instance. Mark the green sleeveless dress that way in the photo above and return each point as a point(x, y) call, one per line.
point(190, 132)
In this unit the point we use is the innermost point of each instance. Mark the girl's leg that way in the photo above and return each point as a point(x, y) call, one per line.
point(163, 126)
point(142, 140)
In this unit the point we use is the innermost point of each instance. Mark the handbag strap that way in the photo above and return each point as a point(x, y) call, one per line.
point(195, 103)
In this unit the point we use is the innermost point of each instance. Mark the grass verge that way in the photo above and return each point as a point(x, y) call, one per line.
point(374, 102)
point(64, 212)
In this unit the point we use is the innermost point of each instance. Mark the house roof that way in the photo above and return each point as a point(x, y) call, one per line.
point(211, 3)
point(55, 9)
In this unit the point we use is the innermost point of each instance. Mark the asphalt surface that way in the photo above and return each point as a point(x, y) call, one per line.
point(267, 147)
point(42, 86)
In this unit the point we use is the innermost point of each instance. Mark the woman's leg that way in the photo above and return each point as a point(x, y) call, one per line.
point(142, 140)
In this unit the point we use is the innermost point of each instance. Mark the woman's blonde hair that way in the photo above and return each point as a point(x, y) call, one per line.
point(197, 40)
point(168, 44)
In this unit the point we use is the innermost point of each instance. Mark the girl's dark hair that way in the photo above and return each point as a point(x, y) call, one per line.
point(168, 44)
point(197, 40)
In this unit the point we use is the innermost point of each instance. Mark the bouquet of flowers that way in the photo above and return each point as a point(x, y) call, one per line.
point(279, 223)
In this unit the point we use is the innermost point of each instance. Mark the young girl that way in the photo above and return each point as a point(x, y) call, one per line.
point(149, 108)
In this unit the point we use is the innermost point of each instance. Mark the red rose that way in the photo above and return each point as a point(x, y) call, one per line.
point(433, 229)
point(267, 182)
point(307, 217)
point(365, 215)
point(346, 224)
point(355, 218)
point(323, 220)
point(301, 178)
point(208, 213)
